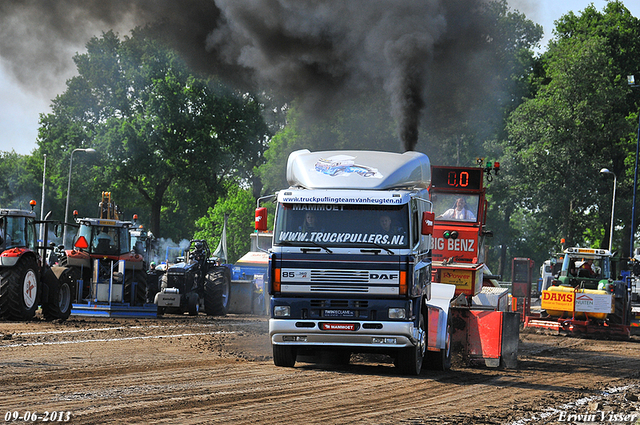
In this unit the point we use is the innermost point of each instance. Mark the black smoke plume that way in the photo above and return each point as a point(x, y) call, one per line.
point(317, 51)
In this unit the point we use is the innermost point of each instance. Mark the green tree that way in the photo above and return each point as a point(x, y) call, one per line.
point(577, 122)
point(166, 138)
point(239, 207)
point(19, 184)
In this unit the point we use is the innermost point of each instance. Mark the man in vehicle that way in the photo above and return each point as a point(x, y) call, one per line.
point(458, 212)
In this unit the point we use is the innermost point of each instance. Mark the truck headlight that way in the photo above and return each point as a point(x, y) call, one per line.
point(397, 313)
point(282, 311)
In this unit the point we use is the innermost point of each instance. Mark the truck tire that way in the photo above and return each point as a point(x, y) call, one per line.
point(441, 360)
point(61, 290)
point(217, 287)
point(193, 304)
point(19, 286)
point(284, 355)
point(409, 360)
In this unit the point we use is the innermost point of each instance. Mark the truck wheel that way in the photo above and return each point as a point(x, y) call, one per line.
point(284, 355)
point(441, 360)
point(58, 306)
point(409, 360)
point(193, 304)
point(217, 287)
point(19, 286)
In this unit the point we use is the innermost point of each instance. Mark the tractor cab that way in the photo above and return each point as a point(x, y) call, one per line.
point(586, 268)
point(17, 229)
point(103, 237)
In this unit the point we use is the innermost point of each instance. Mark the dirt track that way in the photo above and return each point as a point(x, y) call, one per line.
point(219, 370)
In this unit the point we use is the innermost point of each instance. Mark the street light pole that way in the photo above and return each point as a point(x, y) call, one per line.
point(44, 173)
point(635, 185)
point(66, 210)
point(613, 204)
point(632, 83)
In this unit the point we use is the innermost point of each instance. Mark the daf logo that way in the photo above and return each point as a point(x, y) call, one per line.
point(383, 276)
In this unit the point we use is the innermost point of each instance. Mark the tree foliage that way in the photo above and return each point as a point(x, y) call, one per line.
point(166, 139)
point(238, 206)
point(576, 124)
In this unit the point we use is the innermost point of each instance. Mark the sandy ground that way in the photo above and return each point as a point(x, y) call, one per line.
point(209, 370)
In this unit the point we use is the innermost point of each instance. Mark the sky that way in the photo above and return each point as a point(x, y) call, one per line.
point(21, 106)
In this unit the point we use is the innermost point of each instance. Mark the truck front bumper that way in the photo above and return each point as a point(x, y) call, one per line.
point(378, 334)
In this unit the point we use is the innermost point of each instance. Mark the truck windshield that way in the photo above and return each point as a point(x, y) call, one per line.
point(342, 225)
point(456, 207)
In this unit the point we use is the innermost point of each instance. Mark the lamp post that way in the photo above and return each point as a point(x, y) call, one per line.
point(66, 210)
point(613, 203)
point(44, 173)
point(632, 83)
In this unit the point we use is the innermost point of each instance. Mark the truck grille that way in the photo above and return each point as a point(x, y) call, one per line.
point(344, 276)
point(339, 303)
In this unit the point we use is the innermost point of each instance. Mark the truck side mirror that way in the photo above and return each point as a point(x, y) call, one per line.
point(261, 219)
point(428, 218)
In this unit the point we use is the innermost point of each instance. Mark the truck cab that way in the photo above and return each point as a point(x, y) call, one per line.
point(350, 266)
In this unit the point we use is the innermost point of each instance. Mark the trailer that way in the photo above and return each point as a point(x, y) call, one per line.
point(486, 331)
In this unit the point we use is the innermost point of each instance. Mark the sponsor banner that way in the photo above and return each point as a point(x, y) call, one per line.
point(338, 326)
point(442, 244)
point(557, 300)
point(595, 303)
point(342, 197)
point(341, 237)
point(460, 278)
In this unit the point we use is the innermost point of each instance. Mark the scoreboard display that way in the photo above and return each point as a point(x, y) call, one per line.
point(456, 178)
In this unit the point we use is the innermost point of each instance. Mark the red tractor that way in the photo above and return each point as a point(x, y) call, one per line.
point(26, 280)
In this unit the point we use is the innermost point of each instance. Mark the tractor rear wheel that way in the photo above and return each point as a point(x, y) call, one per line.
point(217, 287)
point(19, 286)
point(140, 279)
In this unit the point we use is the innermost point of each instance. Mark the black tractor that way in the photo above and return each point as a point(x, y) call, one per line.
point(195, 283)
